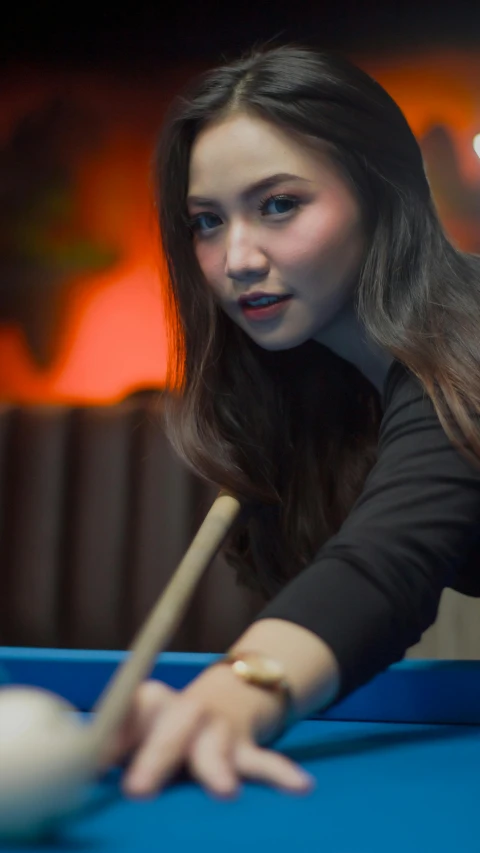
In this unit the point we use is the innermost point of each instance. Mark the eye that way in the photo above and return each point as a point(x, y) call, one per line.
point(204, 222)
point(278, 205)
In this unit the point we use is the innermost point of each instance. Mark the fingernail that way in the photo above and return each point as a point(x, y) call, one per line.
point(305, 780)
point(224, 789)
point(138, 782)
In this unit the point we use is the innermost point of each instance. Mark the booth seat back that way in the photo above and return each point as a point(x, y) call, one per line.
point(96, 512)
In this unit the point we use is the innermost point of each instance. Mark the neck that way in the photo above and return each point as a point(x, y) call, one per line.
point(347, 337)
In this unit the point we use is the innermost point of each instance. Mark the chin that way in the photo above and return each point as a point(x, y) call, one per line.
point(278, 343)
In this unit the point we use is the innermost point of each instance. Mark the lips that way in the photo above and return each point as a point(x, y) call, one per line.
point(251, 297)
point(265, 313)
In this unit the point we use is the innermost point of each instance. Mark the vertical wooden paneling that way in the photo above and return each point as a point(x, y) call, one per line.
point(96, 527)
point(169, 504)
point(160, 515)
point(6, 419)
point(33, 523)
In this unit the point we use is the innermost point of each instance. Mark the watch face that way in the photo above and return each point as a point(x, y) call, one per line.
point(253, 667)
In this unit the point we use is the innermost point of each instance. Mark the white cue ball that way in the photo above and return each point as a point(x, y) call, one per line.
point(46, 761)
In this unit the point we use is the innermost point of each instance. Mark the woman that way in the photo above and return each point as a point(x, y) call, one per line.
point(330, 373)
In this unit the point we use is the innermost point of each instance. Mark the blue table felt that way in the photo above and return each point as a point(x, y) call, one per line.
point(397, 768)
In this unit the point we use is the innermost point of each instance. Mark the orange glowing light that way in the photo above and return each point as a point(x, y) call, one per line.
point(114, 344)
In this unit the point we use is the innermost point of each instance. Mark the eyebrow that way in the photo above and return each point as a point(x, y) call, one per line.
point(252, 189)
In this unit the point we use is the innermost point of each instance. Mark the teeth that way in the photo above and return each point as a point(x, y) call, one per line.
point(264, 300)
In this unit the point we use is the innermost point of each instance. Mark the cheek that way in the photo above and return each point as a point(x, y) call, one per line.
point(322, 237)
point(207, 254)
point(210, 260)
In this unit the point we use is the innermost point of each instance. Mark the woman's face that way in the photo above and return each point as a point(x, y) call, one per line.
point(271, 216)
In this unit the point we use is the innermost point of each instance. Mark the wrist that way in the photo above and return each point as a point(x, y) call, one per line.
point(310, 667)
point(257, 712)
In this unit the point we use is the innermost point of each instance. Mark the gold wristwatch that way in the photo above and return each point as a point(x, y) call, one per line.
point(265, 672)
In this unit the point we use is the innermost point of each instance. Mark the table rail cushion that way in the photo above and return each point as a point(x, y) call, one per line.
point(443, 692)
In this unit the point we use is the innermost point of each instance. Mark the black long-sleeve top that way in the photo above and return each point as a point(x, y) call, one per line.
point(375, 587)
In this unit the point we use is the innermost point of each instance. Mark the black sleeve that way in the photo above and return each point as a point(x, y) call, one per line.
point(374, 588)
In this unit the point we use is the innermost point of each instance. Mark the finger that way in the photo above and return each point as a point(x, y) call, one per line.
point(150, 700)
point(264, 765)
point(165, 748)
point(210, 760)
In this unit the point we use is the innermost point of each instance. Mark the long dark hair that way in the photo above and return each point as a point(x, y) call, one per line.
point(294, 433)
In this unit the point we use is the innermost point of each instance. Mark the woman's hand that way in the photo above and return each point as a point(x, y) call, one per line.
point(211, 729)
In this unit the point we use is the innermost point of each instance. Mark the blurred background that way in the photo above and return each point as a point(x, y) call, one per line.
point(95, 512)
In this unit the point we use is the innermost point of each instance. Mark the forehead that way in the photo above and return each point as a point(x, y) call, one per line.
point(243, 149)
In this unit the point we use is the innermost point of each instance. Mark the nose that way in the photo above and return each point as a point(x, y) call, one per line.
point(244, 260)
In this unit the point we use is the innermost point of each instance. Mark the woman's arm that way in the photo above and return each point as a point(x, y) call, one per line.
point(375, 587)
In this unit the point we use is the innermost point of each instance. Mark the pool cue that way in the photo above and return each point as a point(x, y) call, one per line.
point(157, 630)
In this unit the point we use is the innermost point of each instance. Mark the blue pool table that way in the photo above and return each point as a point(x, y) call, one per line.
point(397, 767)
